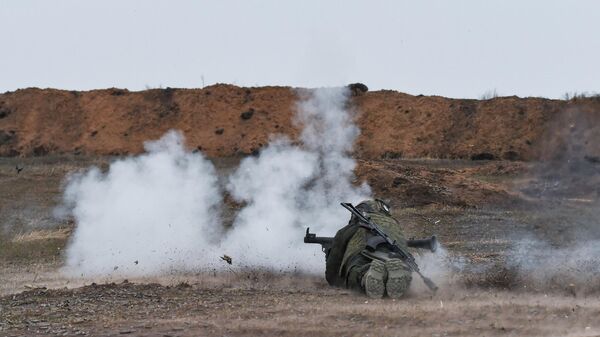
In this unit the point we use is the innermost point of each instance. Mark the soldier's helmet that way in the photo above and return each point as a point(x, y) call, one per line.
point(374, 206)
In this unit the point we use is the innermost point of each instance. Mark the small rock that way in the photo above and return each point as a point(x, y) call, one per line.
point(483, 156)
point(7, 137)
point(246, 115)
point(4, 112)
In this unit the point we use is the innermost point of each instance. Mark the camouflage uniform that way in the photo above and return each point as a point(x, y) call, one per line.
point(350, 264)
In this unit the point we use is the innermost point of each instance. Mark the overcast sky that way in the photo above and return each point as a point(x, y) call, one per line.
point(450, 48)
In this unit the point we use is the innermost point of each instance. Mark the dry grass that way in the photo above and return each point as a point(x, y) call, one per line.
point(43, 234)
point(42, 245)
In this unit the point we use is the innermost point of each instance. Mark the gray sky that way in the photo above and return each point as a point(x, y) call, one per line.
point(449, 48)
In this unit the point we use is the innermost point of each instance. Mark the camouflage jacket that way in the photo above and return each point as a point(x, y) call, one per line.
point(352, 240)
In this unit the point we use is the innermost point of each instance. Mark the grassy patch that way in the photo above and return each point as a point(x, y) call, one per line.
point(37, 247)
point(43, 234)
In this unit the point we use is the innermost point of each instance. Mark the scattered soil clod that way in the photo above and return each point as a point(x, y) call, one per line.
point(592, 159)
point(7, 137)
point(246, 115)
point(4, 112)
point(483, 156)
point(511, 155)
point(40, 151)
point(391, 155)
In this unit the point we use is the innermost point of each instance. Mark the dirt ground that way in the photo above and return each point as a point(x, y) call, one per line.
point(289, 306)
point(477, 209)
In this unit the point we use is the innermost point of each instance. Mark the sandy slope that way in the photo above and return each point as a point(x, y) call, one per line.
point(393, 124)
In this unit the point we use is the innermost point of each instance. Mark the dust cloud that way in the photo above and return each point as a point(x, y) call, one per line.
point(576, 268)
point(147, 214)
point(288, 188)
point(563, 250)
point(441, 267)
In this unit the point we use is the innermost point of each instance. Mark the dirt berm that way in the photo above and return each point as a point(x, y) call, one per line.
point(225, 120)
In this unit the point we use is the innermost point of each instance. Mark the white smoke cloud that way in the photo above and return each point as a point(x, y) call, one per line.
point(288, 188)
point(329, 132)
point(161, 208)
point(146, 215)
point(266, 232)
point(441, 267)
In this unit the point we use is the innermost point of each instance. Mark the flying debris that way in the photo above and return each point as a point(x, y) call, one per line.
point(226, 258)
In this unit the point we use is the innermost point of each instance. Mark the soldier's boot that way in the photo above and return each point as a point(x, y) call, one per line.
point(399, 278)
point(374, 280)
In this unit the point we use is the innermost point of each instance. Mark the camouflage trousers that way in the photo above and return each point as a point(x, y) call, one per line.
point(356, 269)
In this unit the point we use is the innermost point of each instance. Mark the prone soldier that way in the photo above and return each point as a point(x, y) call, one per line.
point(371, 254)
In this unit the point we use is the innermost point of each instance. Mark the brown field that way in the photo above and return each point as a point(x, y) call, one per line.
point(477, 209)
